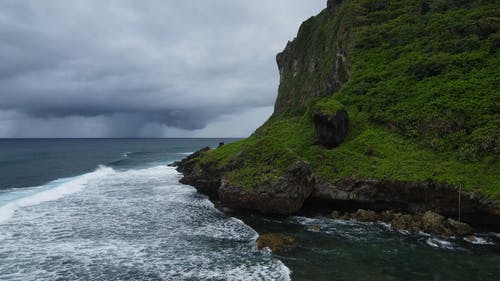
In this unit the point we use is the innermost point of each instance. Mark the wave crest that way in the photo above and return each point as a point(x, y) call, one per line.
point(51, 191)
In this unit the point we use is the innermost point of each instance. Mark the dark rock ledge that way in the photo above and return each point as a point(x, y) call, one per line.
point(285, 197)
point(411, 203)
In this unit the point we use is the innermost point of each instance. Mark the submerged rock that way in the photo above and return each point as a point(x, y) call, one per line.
point(276, 242)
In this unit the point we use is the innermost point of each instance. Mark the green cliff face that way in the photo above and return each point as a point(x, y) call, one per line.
point(315, 63)
point(420, 80)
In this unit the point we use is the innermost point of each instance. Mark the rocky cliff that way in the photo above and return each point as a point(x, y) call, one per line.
point(382, 105)
point(315, 63)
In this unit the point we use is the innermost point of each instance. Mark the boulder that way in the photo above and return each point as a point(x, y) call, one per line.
point(365, 216)
point(435, 223)
point(460, 228)
point(406, 222)
point(388, 216)
point(276, 242)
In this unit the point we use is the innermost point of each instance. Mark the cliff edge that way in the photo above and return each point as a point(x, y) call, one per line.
point(382, 105)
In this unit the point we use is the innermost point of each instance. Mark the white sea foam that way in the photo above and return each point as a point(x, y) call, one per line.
point(476, 240)
point(52, 191)
point(138, 224)
point(439, 243)
point(186, 153)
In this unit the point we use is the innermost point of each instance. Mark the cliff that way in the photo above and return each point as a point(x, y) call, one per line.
point(385, 105)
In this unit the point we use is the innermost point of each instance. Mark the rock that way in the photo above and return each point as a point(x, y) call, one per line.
point(460, 228)
point(365, 215)
point(388, 216)
point(220, 144)
point(335, 215)
point(407, 197)
point(435, 223)
point(406, 222)
point(276, 242)
point(205, 177)
point(430, 222)
point(286, 196)
point(331, 130)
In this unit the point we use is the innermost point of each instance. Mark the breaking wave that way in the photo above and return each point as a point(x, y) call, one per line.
point(138, 224)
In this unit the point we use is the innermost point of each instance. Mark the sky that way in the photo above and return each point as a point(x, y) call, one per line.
point(135, 68)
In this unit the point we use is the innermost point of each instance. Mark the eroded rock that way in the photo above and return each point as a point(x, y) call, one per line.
point(205, 177)
point(331, 130)
point(286, 196)
point(429, 221)
point(406, 197)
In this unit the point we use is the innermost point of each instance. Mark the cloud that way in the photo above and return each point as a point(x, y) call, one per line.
point(124, 66)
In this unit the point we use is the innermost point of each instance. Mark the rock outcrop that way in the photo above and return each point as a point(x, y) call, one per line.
point(203, 176)
point(407, 197)
point(284, 197)
point(298, 188)
point(331, 130)
point(304, 71)
point(429, 222)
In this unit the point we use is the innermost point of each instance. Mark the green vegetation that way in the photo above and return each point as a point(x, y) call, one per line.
point(421, 85)
point(327, 106)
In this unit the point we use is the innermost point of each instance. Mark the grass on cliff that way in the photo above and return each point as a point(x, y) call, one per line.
point(430, 68)
point(422, 95)
point(370, 151)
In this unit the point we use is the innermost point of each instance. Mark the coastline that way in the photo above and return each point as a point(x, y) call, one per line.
point(429, 207)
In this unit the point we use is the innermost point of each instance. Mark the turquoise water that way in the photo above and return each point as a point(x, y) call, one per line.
point(113, 210)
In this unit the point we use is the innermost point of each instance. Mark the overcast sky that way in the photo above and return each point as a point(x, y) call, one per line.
point(135, 68)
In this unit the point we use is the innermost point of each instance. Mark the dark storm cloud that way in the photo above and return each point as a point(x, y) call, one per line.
point(122, 66)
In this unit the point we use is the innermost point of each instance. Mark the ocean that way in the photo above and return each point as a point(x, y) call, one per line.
point(112, 209)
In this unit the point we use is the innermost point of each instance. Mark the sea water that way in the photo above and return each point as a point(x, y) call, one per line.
point(113, 210)
point(127, 219)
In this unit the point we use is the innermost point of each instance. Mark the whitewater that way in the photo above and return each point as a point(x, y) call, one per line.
point(132, 224)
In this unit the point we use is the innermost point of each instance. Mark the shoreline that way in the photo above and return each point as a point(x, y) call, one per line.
point(418, 207)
